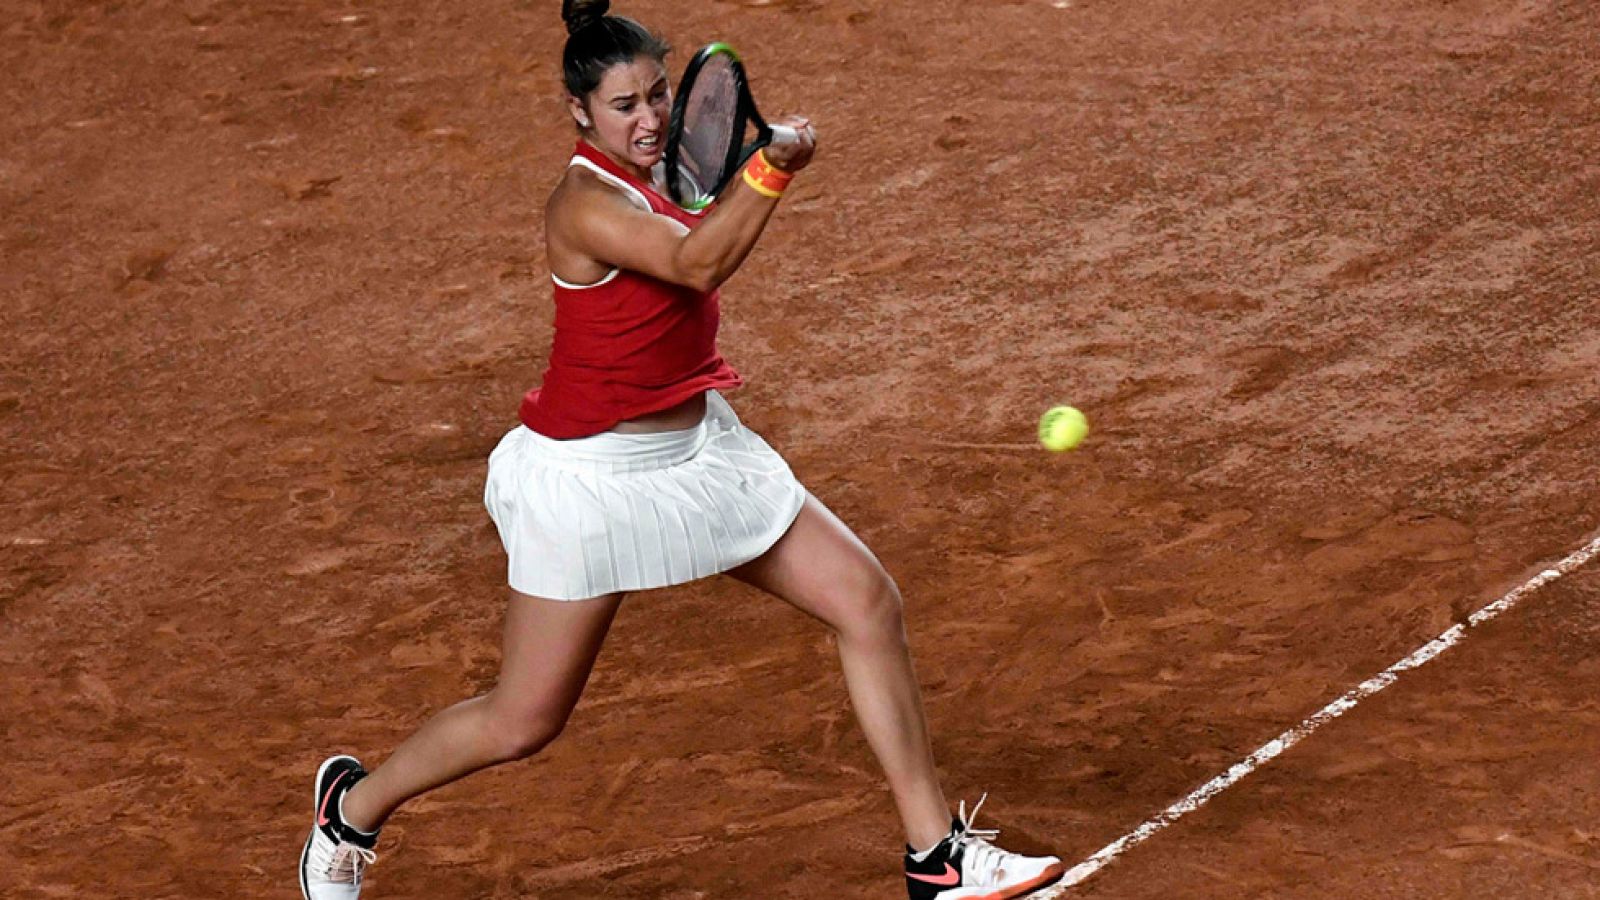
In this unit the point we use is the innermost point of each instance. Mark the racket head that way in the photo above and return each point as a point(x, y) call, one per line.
point(711, 116)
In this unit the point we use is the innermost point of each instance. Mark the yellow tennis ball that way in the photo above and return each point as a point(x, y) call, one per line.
point(1062, 428)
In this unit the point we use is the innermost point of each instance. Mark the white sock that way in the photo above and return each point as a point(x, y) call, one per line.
point(922, 856)
point(347, 821)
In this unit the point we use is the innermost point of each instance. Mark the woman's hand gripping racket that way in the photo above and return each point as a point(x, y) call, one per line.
point(712, 118)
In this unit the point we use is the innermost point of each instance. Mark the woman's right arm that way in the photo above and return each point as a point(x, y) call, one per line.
point(605, 227)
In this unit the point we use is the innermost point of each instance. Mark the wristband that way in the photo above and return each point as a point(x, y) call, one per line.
point(764, 178)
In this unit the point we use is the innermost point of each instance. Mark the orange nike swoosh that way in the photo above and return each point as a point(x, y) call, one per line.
point(950, 876)
point(322, 811)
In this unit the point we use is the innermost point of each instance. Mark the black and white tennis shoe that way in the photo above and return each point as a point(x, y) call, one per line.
point(335, 854)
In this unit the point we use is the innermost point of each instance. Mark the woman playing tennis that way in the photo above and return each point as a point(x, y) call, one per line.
point(630, 471)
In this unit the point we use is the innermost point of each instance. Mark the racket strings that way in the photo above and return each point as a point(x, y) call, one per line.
point(712, 128)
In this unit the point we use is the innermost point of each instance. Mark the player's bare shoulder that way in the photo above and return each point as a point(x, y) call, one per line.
point(578, 191)
point(583, 200)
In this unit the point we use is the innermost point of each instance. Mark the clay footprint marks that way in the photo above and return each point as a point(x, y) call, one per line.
point(1358, 540)
point(1264, 369)
point(1369, 267)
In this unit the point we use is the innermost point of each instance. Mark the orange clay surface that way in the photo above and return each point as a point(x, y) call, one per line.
point(1323, 273)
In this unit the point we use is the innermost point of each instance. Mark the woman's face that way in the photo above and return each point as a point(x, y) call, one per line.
point(627, 115)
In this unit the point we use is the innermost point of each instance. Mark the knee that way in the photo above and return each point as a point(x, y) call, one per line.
point(519, 733)
point(873, 610)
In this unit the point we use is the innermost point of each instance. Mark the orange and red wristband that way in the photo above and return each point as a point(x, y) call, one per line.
point(766, 179)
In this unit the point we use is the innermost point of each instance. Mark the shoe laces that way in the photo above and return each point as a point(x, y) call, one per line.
point(340, 863)
point(983, 863)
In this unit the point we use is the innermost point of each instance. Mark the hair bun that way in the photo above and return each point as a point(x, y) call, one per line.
point(580, 14)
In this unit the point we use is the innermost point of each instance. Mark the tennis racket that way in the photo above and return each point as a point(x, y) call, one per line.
point(711, 119)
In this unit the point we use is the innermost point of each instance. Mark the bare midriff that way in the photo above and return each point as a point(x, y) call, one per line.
point(684, 416)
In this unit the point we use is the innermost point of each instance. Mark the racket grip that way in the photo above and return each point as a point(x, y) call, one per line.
point(783, 134)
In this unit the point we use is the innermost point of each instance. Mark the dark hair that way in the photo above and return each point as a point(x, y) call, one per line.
point(596, 42)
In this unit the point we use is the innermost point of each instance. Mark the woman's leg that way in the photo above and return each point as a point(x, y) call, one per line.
point(548, 652)
point(823, 569)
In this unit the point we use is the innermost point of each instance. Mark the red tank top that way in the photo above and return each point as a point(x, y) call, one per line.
point(628, 344)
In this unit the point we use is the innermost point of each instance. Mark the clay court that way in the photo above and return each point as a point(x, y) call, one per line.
point(1325, 274)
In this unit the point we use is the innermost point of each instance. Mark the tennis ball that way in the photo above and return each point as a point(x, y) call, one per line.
point(1062, 428)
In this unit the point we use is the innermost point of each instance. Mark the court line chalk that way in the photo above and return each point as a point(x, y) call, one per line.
point(1203, 794)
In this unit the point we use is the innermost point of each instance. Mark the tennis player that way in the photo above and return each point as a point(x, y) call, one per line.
point(630, 471)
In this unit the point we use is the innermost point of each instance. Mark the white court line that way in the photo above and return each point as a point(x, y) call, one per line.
point(1451, 636)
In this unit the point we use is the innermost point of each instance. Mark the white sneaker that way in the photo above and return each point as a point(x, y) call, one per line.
point(965, 866)
point(335, 853)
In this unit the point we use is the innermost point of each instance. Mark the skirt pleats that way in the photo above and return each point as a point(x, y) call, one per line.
point(626, 512)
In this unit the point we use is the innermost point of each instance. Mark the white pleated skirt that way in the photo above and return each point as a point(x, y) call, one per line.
point(628, 512)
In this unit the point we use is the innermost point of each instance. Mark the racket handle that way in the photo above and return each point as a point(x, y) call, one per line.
point(783, 134)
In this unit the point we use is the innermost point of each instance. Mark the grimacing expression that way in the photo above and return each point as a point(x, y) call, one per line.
point(627, 114)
